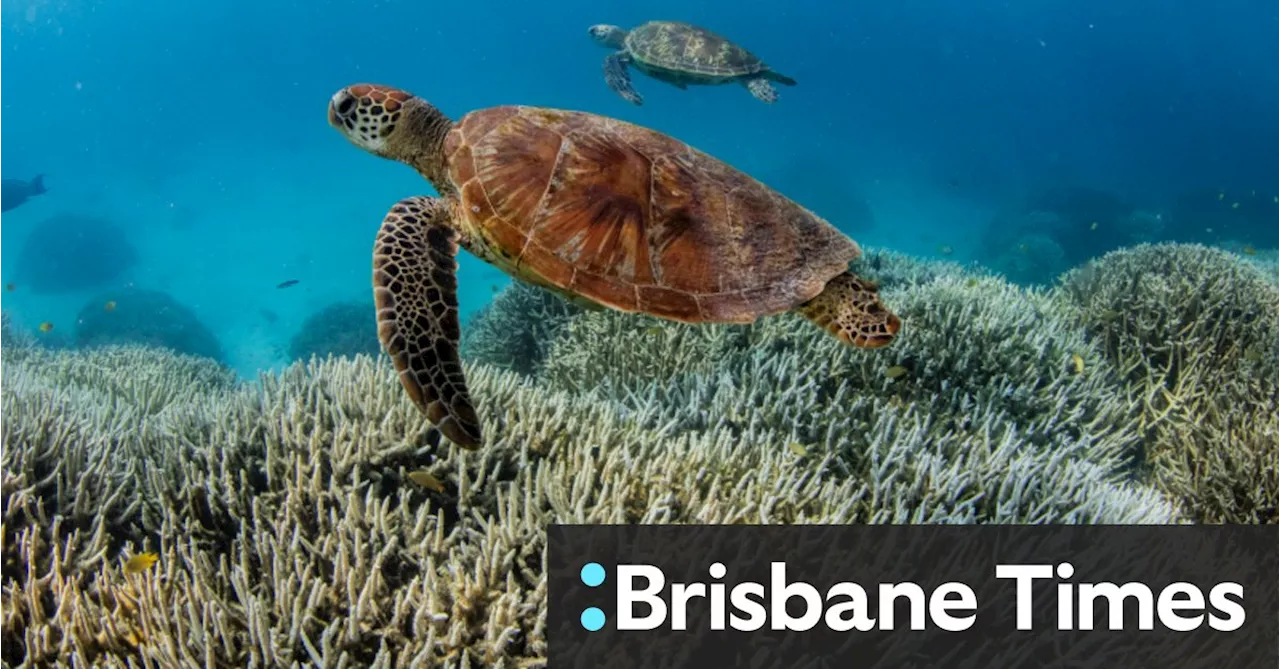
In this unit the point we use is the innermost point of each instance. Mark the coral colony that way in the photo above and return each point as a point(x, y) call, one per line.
point(158, 511)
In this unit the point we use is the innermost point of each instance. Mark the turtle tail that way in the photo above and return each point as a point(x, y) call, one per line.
point(780, 78)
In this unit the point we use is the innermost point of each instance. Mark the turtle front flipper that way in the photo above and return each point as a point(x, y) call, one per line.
point(849, 308)
point(762, 90)
point(415, 292)
point(619, 79)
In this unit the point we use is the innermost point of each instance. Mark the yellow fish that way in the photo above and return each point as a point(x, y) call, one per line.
point(654, 330)
point(971, 282)
point(798, 449)
point(46, 327)
point(1221, 195)
point(1249, 250)
point(140, 563)
point(1235, 205)
point(895, 371)
point(1077, 362)
point(945, 250)
point(426, 480)
point(1093, 225)
point(109, 306)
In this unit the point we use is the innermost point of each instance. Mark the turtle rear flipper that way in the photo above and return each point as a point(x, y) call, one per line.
point(779, 78)
point(762, 90)
point(849, 308)
point(415, 290)
point(619, 79)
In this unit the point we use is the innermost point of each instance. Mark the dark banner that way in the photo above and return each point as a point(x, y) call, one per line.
point(912, 596)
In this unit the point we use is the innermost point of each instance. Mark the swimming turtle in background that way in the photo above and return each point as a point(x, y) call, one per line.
point(597, 210)
point(681, 54)
point(14, 192)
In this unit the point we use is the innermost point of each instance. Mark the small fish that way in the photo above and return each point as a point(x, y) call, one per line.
point(1221, 195)
point(426, 480)
point(798, 449)
point(286, 284)
point(1077, 362)
point(945, 250)
point(140, 563)
point(1093, 225)
point(1109, 315)
point(1235, 205)
point(10, 287)
point(895, 371)
point(269, 315)
point(1252, 355)
point(653, 330)
point(971, 282)
point(1249, 250)
point(493, 287)
point(1276, 199)
point(1024, 248)
point(109, 306)
point(46, 327)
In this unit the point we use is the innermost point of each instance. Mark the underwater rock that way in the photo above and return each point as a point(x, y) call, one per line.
point(145, 317)
point(1061, 228)
point(340, 329)
point(70, 252)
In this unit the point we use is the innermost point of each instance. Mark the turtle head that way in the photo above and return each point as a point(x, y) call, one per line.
point(390, 123)
point(607, 35)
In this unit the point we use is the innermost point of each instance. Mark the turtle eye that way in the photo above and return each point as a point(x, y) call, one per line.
point(345, 106)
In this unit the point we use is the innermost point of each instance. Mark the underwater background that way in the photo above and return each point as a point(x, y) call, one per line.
point(207, 461)
point(196, 131)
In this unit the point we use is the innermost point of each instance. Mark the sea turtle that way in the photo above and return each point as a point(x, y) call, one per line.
point(14, 192)
point(592, 208)
point(681, 54)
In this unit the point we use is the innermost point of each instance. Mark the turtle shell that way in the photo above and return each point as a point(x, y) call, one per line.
point(682, 47)
point(633, 219)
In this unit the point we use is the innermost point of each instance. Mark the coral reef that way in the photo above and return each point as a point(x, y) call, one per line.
point(1194, 331)
point(1061, 228)
point(71, 252)
point(146, 317)
point(340, 329)
point(289, 530)
point(515, 329)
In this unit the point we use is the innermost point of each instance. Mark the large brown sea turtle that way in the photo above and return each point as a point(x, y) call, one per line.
point(681, 54)
point(600, 211)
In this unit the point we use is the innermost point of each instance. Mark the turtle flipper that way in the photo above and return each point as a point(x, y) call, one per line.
point(415, 291)
point(619, 79)
point(850, 309)
point(779, 78)
point(762, 90)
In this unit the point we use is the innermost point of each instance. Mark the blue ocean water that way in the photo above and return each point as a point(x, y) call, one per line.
point(198, 129)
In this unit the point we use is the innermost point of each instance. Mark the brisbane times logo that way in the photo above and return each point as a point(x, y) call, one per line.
point(646, 601)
